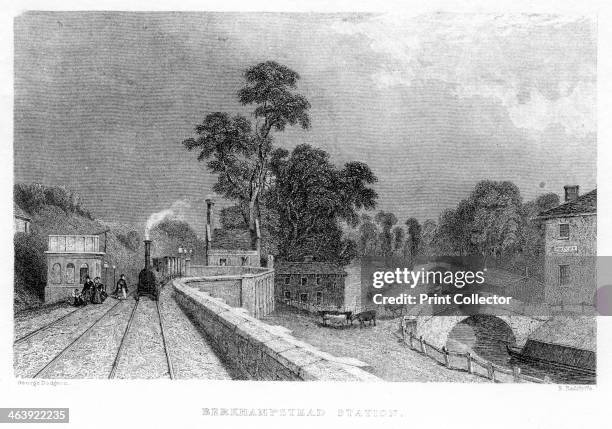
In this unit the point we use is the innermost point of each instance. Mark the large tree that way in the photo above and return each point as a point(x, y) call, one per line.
point(414, 236)
point(386, 220)
point(531, 243)
point(312, 196)
point(428, 235)
point(454, 232)
point(368, 236)
point(238, 151)
point(497, 217)
point(399, 241)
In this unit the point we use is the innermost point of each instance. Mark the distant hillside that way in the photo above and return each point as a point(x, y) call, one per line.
point(56, 210)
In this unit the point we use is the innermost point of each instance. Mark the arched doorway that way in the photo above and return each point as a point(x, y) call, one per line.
point(70, 273)
point(56, 273)
point(83, 273)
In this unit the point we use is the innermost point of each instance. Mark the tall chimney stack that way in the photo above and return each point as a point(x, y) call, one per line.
point(209, 214)
point(147, 244)
point(571, 192)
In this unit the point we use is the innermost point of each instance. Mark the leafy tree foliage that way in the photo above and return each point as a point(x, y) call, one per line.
point(414, 236)
point(33, 197)
point(30, 263)
point(386, 220)
point(238, 151)
point(399, 240)
point(497, 217)
point(312, 196)
point(493, 221)
point(531, 241)
point(130, 240)
point(170, 234)
point(368, 236)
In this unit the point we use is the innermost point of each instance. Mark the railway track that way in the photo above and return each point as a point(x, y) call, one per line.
point(146, 309)
point(166, 349)
point(122, 344)
point(66, 349)
point(45, 327)
point(113, 370)
point(51, 324)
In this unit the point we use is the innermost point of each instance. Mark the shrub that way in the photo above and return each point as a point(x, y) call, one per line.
point(30, 263)
point(131, 240)
point(33, 197)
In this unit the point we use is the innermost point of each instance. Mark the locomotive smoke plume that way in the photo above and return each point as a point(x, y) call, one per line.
point(176, 211)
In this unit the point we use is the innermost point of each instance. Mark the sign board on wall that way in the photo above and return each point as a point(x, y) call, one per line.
point(565, 249)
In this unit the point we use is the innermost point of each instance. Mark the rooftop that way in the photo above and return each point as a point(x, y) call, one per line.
point(313, 267)
point(19, 213)
point(234, 239)
point(584, 204)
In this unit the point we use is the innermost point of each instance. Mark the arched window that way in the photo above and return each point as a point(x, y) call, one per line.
point(83, 272)
point(56, 273)
point(70, 273)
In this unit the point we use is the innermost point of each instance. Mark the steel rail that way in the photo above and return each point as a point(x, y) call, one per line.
point(163, 334)
point(121, 344)
point(69, 346)
point(45, 327)
point(51, 324)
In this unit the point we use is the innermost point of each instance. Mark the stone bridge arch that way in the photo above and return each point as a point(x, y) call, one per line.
point(436, 329)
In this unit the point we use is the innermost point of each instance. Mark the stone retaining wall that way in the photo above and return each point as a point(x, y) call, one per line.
point(248, 287)
point(228, 290)
point(257, 350)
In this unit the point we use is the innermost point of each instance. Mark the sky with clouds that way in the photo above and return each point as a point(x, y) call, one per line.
point(432, 103)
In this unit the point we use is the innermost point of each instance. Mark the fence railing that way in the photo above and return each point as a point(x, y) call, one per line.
point(466, 361)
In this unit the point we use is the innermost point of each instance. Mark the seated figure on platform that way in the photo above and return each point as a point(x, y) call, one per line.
point(77, 298)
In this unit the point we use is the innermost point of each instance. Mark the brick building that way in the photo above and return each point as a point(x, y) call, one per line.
point(321, 284)
point(570, 270)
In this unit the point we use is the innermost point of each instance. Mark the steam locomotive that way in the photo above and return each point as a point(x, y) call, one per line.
point(148, 280)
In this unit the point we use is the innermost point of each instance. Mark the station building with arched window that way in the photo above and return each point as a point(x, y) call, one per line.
point(70, 259)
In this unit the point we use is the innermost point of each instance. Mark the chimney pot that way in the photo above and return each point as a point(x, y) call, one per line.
point(147, 244)
point(571, 192)
point(209, 220)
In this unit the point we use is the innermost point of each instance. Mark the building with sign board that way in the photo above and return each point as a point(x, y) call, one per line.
point(70, 259)
point(570, 270)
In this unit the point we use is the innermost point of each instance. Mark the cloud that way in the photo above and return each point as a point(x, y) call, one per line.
point(542, 68)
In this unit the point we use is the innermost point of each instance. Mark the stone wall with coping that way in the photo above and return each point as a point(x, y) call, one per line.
point(249, 287)
point(257, 350)
point(228, 289)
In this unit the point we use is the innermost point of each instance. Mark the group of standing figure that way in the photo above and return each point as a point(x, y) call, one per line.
point(94, 292)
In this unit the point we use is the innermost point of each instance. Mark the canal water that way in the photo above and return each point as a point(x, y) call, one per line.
point(488, 337)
